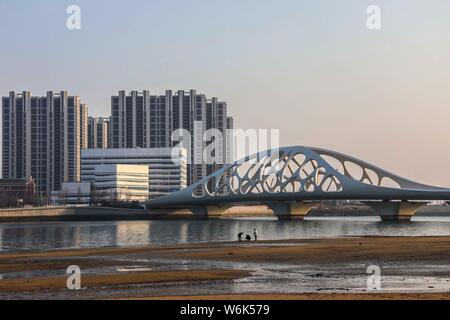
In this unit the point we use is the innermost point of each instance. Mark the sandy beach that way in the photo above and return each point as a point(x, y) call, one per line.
point(289, 270)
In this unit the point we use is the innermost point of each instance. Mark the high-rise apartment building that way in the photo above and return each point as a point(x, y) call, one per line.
point(216, 118)
point(230, 155)
point(140, 120)
point(42, 139)
point(98, 133)
point(84, 126)
point(148, 121)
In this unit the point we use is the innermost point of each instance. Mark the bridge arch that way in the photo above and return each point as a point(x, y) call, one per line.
point(291, 177)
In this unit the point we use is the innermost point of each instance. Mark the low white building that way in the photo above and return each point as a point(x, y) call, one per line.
point(72, 193)
point(121, 182)
point(167, 166)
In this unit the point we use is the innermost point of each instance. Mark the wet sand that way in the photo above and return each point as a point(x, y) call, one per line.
point(330, 250)
point(31, 284)
point(343, 250)
point(164, 272)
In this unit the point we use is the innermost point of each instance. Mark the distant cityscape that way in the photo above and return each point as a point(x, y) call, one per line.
point(55, 153)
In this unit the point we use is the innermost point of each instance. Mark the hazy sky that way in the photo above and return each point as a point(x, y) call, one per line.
point(310, 68)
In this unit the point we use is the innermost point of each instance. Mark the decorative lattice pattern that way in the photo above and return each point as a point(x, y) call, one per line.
point(289, 172)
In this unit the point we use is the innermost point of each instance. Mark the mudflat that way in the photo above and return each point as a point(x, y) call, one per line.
point(59, 282)
point(142, 272)
point(326, 250)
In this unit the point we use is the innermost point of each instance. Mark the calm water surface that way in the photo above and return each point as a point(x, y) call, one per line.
point(58, 235)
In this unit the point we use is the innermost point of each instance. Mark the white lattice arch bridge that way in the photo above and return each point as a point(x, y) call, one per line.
point(292, 180)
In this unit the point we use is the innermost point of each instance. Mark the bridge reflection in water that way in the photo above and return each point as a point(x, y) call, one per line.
point(293, 180)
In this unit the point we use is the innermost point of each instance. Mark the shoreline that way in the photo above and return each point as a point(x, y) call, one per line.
point(216, 245)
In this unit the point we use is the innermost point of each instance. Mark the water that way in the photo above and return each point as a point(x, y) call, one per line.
point(59, 235)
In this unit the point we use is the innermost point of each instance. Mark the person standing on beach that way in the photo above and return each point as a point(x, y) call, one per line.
point(240, 236)
point(255, 234)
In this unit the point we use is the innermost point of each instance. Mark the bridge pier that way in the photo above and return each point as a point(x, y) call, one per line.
point(396, 211)
point(206, 212)
point(290, 210)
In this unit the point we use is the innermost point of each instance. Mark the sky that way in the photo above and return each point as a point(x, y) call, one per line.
point(310, 68)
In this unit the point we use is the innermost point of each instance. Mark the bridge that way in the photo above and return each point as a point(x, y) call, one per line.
point(293, 180)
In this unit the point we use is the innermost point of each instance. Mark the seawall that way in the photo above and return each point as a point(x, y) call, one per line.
point(72, 214)
point(117, 214)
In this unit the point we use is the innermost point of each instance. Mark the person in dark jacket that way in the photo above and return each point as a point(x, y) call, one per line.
point(255, 234)
point(248, 238)
point(240, 236)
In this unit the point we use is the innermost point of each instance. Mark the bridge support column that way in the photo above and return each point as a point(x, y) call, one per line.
point(396, 211)
point(205, 212)
point(290, 210)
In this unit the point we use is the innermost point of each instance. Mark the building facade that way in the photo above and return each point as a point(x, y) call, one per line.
point(216, 119)
point(72, 193)
point(98, 133)
point(167, 171)
point(142, 120)
point(230, 155)
point(84, 115)
point(121, 182)
point(41, 139)
point(14, 192)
